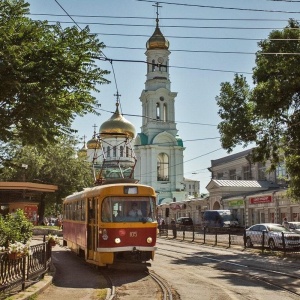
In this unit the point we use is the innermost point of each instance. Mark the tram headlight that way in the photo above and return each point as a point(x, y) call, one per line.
point(149, 240)
point(117, 240)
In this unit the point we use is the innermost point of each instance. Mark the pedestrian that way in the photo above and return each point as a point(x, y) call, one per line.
point(174, 229)
point(285, 223)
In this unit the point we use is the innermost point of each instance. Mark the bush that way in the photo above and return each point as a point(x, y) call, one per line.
point(15, 228)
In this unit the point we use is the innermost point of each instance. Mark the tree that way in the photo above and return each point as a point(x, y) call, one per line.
point(47, 76)
point(269, 113)
point(56, 164)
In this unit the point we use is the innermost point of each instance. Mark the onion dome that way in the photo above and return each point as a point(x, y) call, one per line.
point(157, 40)
point(117, 125)
point(93, 144)
point(83, 151)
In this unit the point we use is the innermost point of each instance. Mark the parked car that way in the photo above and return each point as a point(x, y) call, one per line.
point(184, 222)
point(275, 234)
point(219, 218)
point(294, 226)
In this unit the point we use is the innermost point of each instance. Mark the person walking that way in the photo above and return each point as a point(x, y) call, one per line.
point(285, 223)
point(173, 224)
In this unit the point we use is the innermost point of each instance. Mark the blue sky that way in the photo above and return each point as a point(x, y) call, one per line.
point(209, 41)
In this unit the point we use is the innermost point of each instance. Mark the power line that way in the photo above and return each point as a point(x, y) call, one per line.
point(196, 37)
point(149, 118)
point(164, 18)
point(172, 26)
point(221, 7)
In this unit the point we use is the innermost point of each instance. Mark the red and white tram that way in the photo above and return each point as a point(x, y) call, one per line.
point(98, 224)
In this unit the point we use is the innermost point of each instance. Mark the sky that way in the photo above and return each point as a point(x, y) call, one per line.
point(210, 41)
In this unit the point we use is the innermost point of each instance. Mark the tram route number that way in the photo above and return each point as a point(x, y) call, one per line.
point(133, 234)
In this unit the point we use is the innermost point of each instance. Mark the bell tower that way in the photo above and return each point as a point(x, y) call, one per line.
point(158, 149)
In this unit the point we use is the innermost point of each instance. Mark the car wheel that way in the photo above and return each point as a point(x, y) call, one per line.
point(249, 242)
point(272, 244)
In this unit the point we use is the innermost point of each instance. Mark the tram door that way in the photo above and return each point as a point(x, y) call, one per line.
point(92, 227)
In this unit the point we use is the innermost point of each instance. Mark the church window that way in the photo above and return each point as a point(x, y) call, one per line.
point(114, 151)
point(162, 167)
point(121, 151)
point(165, 112)
point(153, 65)
point(108, 151)
point(127, 151)
point(157, 111)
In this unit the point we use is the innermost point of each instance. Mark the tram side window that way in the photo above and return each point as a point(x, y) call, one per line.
point(73, 211)
point(78, 211)
point(106, 215)
point(83, 211)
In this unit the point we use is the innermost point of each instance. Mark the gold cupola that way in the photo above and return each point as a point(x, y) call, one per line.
point(83, 151)
point(117, 125)
point(157, 40)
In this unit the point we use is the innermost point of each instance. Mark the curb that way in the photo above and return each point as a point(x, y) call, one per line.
point(36, 288)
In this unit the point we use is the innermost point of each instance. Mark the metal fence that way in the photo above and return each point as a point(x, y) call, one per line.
point(232, 236)
point(17, 273)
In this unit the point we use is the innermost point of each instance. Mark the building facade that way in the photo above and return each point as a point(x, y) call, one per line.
point(247, 189)
point(158, 148)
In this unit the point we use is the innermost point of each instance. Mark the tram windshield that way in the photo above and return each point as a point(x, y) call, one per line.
point(125, 209)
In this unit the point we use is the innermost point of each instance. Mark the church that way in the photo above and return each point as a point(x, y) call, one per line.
point(154, 156)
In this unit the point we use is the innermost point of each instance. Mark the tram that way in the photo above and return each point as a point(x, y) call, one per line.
point(99, 224)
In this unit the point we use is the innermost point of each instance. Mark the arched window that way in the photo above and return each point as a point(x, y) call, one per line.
point(162, 167)
point(121, 151)
point(114, 151)
point(165, 112)
point(157, 111)
point(153, 65)
point(108, 151)
point(127, 151)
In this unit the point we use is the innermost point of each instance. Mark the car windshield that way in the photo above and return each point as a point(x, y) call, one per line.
point(125, 209)
point(226, 216)
point(295, 225)
point(277, 228)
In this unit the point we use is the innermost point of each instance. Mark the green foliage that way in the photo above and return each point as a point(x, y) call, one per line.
point(15, 228)
point(47, 76)
point(56, 164)
point(269, 114)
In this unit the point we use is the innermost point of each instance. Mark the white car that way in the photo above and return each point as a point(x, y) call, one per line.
point(275, 235)
point(294, 226)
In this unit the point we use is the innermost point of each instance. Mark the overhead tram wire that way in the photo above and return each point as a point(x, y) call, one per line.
point(164, 18)
point(175, 67)
point(221, 7)
point(172, 166)
point(153, 119)
point(76, 23)
point(173, 26)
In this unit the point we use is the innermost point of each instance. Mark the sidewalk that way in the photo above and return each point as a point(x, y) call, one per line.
point(69, 277)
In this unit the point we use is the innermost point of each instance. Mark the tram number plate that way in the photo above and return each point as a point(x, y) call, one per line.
point(133, 234)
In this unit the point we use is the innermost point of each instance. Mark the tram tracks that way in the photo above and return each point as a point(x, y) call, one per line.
point(132, 284)
point(269, 274)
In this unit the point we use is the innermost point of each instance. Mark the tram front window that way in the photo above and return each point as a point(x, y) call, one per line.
point(124, 209)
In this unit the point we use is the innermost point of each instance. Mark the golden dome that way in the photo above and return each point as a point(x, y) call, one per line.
point(117, 125)
point(93, 144)
point(157, 40)
point(82, 152)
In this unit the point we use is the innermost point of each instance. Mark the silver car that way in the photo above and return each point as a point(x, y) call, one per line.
point(294, 226)
point(275, 235)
